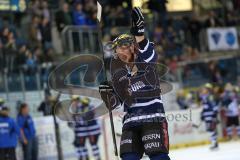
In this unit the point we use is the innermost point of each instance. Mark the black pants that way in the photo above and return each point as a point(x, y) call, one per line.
point(149, 138)
point(30, 150)
point(7, 154)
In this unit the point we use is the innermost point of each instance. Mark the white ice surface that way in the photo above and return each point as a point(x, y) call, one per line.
point(227, 151)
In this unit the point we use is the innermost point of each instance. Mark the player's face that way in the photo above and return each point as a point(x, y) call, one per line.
point(25, 110)
point(125, 53)
point(204, 91)
point(75, 103)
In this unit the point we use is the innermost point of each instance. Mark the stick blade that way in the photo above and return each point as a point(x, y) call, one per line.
point(99, 11)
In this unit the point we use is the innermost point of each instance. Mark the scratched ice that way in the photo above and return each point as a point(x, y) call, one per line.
point(227, 151)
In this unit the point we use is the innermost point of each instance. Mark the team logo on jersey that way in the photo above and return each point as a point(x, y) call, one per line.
point(136, 86)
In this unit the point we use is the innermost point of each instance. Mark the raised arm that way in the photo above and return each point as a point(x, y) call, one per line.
point(137, 24)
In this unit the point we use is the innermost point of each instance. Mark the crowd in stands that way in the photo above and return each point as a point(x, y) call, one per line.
point(76, 13)
point(183, 34)
point(177, 38)
point(26, 40)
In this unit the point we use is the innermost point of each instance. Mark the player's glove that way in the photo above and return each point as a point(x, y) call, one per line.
point(108, 96)
point(137, 22)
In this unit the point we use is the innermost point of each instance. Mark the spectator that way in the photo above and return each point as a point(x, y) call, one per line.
point(72, 2)
point(45, 10)
point(92, 20)
point(31, 63)
point(158, 35)
point(90, 7)
point(4, 36)
point(230, 20)
point(159, 6)
point(215, 73)
point(9, 131)
point(45, 29)
point(11, 41)
point(49, 55)
point(194, 28)
point(79, 17)
point(120, 16)
point(38, 55)
point(159, 51)
point(172, 39)
point(21, 57)
point(46, 105)
point(28, 133)
point(35, 33)
point(212, 20)
point(46, 61)
point(173, 65)
point(236, 5)
point(35, 8)
point(1, 56)
point(1, 44)
point(63, 17)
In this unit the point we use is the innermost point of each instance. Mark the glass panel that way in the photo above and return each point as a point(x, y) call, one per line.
point(14, 82)
point(2, 83)
point(30, 82)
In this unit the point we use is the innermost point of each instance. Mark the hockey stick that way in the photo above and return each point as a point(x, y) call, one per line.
point(99, 12)
point(57, 129)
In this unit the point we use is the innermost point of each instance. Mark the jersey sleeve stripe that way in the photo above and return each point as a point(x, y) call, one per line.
point(147, 103)
point(150, 58)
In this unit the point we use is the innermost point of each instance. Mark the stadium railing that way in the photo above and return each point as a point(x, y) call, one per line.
point(81, 40)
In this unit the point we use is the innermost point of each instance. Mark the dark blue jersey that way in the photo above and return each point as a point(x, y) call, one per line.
point(84, 128)
point(210, 110)
point(9, 132)
point(144, 109)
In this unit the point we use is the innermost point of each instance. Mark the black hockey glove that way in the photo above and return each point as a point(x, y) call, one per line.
point(137, 22)
point(108, 96)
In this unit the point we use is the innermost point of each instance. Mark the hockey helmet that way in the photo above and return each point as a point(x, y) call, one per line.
point(85, 100)
point(75, 98)
point(229, 87)
point(123, 40)
point(208, 86)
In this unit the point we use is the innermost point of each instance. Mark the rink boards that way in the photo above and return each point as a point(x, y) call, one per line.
point(181, 134)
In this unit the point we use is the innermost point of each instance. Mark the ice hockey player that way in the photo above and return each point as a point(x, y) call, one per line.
point(145, 129)
point(230, 103)
point(85, 129)
point(9, 133)
point(209, 114)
